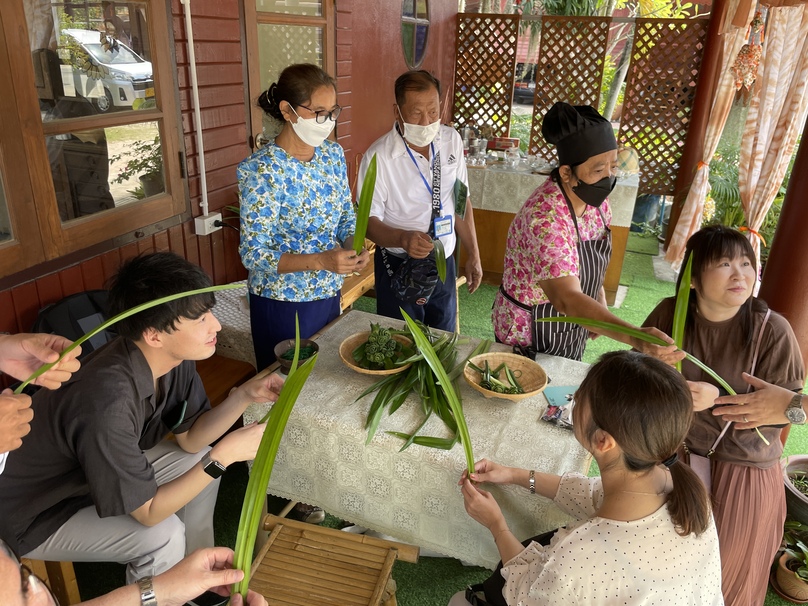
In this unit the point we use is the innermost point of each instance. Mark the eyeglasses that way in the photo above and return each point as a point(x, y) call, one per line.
point(322, 115)
point(35, 591)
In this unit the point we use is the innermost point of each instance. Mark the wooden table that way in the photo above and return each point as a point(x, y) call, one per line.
point(413, 495)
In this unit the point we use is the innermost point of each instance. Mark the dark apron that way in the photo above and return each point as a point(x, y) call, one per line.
point(562, 339)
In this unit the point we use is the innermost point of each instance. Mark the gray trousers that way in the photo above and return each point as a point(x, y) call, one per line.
point(146, 550)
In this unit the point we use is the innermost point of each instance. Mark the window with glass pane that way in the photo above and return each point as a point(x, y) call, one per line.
point(280, 46)
point(105, 168)
point(414, 31)
point(91, 62)
point(291, 7)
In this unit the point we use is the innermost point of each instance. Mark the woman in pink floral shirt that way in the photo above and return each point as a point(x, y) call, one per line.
point(559, 243)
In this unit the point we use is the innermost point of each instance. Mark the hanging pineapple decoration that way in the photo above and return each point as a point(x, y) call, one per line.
point(746, 63)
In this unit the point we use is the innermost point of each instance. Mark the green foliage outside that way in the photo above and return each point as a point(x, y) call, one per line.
point(520, 127)
point(723, 204)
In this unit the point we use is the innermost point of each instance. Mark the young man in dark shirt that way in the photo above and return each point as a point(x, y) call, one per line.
point(96, 479)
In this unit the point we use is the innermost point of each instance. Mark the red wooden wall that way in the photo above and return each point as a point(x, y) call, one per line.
point(369, 58)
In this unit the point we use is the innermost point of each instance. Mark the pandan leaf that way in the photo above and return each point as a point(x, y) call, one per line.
point(680, 310)
point(430, 442)
point(255, 495)
point(363, 208)
point(115, 319)
point(446, 385)
point(440, 259)
point(648, 338)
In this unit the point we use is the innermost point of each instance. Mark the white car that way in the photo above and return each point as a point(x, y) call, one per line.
point(104, 70)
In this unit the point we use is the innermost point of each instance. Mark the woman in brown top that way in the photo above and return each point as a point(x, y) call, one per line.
point(733, 332)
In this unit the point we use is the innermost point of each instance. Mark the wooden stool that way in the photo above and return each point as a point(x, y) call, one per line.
point(59, 576)
point(302, 564)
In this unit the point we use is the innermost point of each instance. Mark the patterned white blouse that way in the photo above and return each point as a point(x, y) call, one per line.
point(609, 562)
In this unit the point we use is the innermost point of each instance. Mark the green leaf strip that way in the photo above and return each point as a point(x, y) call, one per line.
point(124, 314)
point(440, 259)
point(255, 495)
point(363, 207)
point(446, 385)
point(643, 336)
point(680, 310)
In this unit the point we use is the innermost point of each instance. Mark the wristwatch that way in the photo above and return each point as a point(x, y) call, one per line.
point(794, 412)
point(213, 468)
point(147, 596)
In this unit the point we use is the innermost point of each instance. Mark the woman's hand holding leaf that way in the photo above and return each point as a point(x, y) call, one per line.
point(666, 353)
point(482, 506)
point(488, 471)
point(703, 393)
point(362, 260)
point(239, 445)
point(343, 261)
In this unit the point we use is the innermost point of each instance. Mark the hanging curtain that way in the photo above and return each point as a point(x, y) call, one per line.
point(776, 114)
point(691, 215)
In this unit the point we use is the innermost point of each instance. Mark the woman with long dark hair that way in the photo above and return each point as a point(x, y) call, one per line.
point(734, 332)
point(645, 534)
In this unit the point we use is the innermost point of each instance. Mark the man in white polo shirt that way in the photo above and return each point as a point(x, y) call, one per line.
point(421, 194)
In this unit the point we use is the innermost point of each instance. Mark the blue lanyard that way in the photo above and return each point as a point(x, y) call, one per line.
point(418, 168)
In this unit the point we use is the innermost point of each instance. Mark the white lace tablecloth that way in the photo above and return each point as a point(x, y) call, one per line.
point(232, 311)
point(506, 191)
point(413, 495)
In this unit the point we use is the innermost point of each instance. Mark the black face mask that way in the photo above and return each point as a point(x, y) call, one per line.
point(593, 194)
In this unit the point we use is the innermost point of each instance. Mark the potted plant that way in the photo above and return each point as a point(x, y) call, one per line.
point(795, 477)
point(792, 566)
point(144, 159)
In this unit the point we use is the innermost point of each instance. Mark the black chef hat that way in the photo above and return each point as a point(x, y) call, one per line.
point(578, 132)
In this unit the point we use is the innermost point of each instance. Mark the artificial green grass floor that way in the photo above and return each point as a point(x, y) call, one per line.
point(433, 581)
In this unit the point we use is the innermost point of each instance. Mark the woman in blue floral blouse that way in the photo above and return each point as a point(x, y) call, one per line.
point(297, 219)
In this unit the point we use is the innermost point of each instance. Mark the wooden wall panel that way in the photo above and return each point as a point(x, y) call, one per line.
point(26, 305)
point(110, 262)
point(92, 274)
point(366, 66)
point(49, 289)
point(8, 319)
point(71, 280)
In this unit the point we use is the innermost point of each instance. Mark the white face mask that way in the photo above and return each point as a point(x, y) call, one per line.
point(420, 136)
point(310, 132)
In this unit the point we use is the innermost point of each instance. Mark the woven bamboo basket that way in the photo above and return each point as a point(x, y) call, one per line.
point(349, 344)
point(529, 374)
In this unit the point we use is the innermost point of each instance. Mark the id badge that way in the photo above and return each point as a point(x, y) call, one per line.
point(443, 226)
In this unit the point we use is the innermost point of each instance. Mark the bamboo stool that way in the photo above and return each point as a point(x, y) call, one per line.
point(302, 565)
